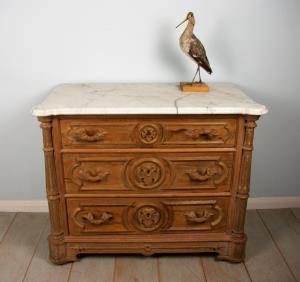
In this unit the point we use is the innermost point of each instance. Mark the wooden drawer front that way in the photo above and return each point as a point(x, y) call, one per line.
point(143, 173)
point(129, 132)
point(134, 215)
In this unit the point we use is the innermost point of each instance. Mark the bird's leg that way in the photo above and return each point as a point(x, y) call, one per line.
point(200, 80)
point(198, 70)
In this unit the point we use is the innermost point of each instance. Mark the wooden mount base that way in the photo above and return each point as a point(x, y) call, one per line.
point(193, 87)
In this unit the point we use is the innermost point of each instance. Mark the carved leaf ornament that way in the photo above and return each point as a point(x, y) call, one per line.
point(103, 218)
point(83, 218)
point(210, 216)
point(92, 175)
point(207, 134)
point(82, 174)
point(217, 173)
point(86, 134)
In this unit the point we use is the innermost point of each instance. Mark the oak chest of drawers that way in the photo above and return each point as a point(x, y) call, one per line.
point(143, 168)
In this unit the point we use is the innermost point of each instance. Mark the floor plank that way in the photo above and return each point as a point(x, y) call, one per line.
point(93, 268)
point(263, 260)
point(222, 271)
point(285, 231)
point(136, 269)
point(180, 269)
point(5, 220)
point(41, 269)
point(18, 246)
point(296, 212)
point(273, 254)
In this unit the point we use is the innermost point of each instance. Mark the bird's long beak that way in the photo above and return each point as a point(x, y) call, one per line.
point(182, 22)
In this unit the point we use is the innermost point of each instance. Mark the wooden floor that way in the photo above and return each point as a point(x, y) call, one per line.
point(273, 254)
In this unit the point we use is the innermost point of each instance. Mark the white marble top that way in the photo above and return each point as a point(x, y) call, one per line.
point(141, 98)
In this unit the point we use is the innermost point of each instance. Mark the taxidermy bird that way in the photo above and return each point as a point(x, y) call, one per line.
point(193, 47)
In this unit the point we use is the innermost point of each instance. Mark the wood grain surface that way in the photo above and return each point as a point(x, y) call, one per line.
point(138, 184)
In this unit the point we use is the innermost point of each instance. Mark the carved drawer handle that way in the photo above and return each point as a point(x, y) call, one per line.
point(201, 174)
point(196, 134)
point(94, 176)
point(87, 134)
point(104, 218)
point(198, 217)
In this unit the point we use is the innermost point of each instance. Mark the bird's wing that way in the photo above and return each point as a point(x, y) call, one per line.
point(198, 53)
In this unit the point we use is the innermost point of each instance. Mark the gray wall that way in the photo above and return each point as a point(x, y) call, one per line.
point(254, 44)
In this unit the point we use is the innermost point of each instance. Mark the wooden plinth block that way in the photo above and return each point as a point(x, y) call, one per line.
point(193, 87)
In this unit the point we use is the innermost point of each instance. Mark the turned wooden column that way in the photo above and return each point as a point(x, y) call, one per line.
point(56, 237)
point(244, 180)
point(242, 194)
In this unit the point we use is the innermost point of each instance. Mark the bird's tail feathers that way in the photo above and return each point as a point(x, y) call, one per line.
point(206, 67)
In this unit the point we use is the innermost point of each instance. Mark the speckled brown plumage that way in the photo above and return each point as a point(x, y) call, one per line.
point(198, 53)
point(193, 47)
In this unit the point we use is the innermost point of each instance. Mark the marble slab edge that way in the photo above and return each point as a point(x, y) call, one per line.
point(145, 99)
point(163, 111)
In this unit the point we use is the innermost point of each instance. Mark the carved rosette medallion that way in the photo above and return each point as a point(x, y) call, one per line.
point(147, 173)
point(148, 133)
point(149, 217)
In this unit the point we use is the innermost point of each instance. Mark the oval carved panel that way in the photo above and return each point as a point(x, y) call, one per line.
point(148, 173)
